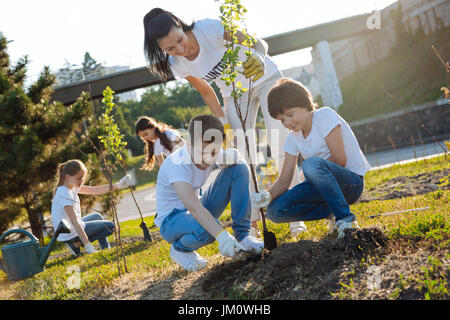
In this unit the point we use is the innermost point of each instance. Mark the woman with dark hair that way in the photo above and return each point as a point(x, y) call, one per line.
point(195, 52)
point(160, 140)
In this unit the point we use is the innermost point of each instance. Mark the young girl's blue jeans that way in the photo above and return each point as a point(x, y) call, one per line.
point(97, 229)
point(183, 231)
point(328, 188)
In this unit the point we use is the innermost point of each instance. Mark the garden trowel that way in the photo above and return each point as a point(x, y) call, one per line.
point(270, 241)
point(147, 236)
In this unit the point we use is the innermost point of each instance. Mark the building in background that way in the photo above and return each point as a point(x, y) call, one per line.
point(304, 74)
point(351, 54)
point(71, 74)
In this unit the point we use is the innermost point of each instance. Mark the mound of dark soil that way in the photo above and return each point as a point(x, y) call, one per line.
point(400, 187)
point(301, 270)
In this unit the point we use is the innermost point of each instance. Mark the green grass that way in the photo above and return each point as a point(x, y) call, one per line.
point(377, 177)
point(431, 281)
point(99, 271)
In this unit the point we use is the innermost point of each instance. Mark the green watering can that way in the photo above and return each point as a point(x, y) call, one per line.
point(24, 259)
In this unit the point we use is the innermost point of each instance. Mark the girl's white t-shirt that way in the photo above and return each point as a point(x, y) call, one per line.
point(178, 167)
point(66, 197)
point(314, 145)
point(158, 148)
point(208, 65)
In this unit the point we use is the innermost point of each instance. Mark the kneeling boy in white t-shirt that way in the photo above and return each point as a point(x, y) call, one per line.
point(334, 165)
point(188, 221)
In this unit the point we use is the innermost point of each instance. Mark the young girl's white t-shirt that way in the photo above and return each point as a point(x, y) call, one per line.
point(178, 167)
point(158, 148)
point(314, 145)
point(208, 65)
point(66, 197)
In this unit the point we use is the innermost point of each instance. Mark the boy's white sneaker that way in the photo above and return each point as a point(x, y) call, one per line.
point(252, 244)
point(297, 227)
point(190, 261)
point(344, 225)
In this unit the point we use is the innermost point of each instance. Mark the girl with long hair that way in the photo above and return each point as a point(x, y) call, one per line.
point(160, 140)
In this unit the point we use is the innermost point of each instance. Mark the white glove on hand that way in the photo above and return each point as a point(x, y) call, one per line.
point(260, 199)
point(89, 248)
point(228, 245)
point(227, 157)
point(124, 182)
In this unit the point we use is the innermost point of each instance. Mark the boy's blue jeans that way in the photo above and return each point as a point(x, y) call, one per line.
point(329, 188)
point(96, 229)
point(231, 184)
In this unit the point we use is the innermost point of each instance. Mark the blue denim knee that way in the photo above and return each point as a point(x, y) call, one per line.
point(312, 165)
point(275, 211)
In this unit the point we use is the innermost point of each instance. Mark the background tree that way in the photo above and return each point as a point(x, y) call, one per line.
point(401, 34)
point(68, 74)
point(35, 136)
point(91, 68)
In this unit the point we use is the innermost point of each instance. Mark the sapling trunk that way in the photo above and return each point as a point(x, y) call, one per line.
point(231, 12)
point(270, 241)
point(112, 204)
point(108, 141)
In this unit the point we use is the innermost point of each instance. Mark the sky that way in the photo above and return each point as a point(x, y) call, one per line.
point(52, 32)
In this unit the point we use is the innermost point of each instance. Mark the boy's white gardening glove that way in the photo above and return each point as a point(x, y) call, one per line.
point(260, 199)
point(124, 182)
point(89, 248)
point(227, 157)
point(254, 66)
point(229, 137)
point(228, 245)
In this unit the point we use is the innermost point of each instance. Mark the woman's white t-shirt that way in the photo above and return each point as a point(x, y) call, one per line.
point(314, 145)
point(158, 148)
point(66, 197)
point(208, 65)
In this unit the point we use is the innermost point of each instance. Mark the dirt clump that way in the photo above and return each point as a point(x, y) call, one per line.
point(301, 270)
point(403, 186)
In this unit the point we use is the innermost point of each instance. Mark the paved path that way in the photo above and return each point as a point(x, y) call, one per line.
point(146, 198)
point(402, 155)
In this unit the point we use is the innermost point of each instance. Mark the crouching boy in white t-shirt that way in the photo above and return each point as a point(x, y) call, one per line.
point(188, 221)
point(334, 165)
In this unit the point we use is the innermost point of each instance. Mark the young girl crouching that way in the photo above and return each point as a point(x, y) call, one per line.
point(66, 205)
